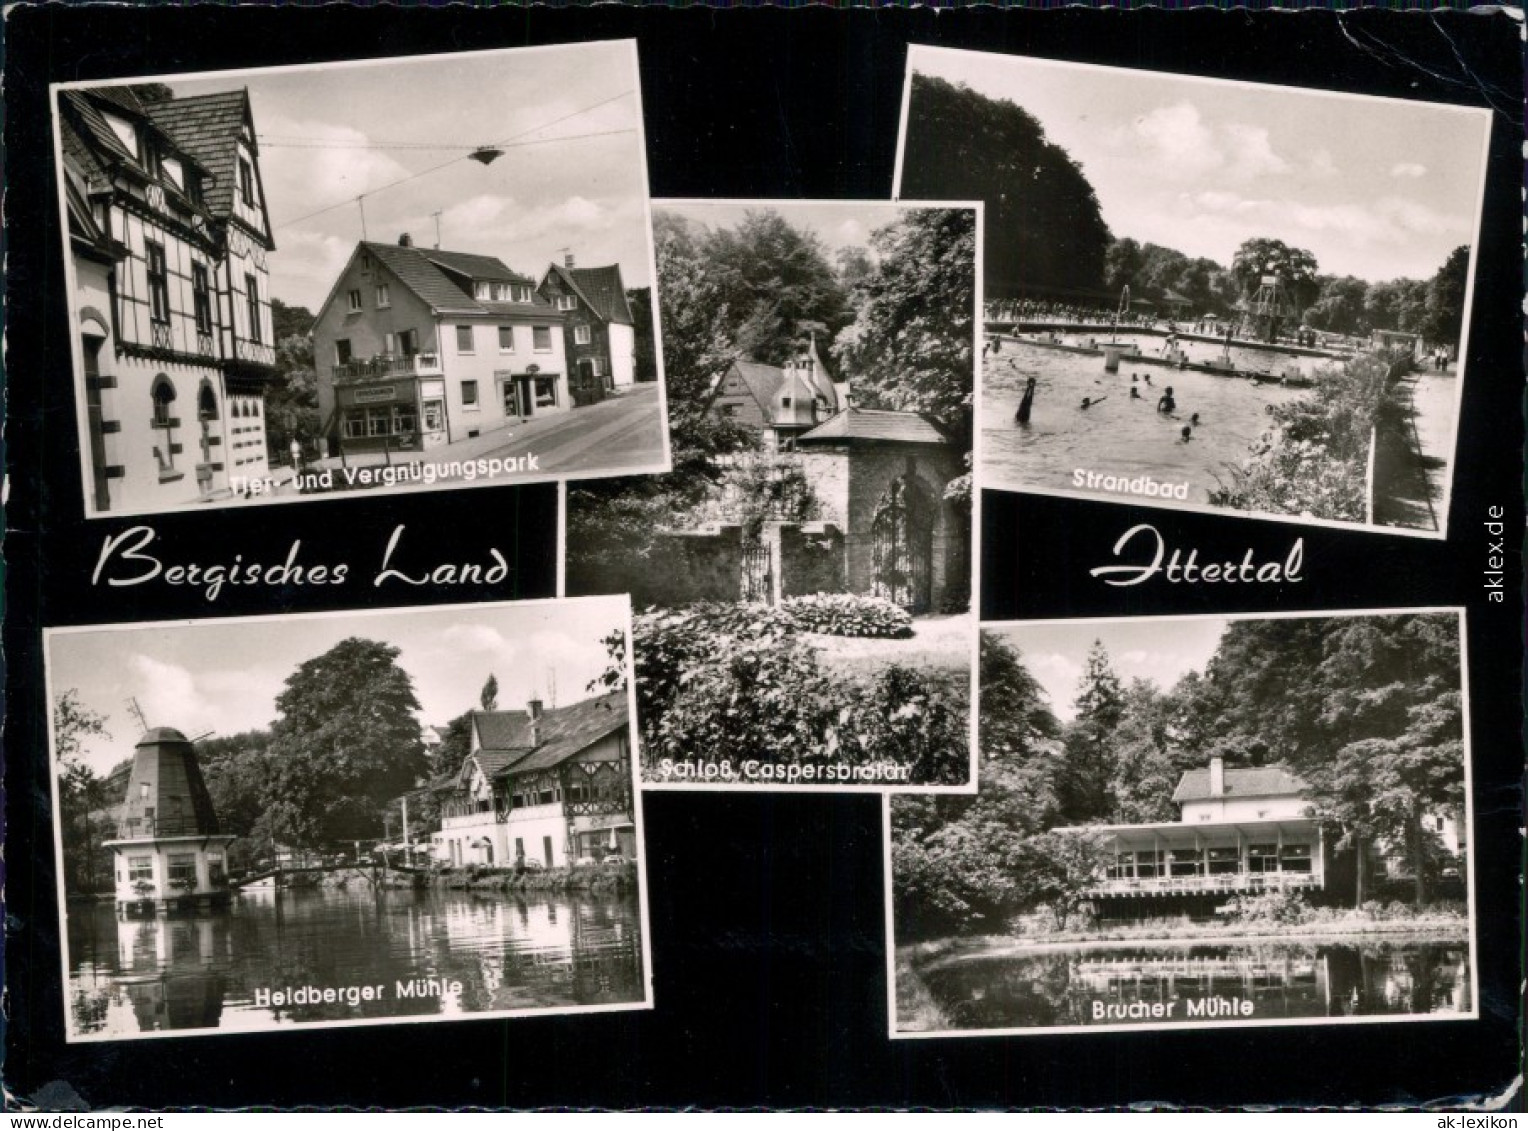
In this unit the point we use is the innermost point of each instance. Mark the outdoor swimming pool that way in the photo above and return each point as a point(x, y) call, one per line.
point(1120, 436)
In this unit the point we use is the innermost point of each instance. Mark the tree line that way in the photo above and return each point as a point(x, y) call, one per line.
point(1366, 710)
point(1046, 236)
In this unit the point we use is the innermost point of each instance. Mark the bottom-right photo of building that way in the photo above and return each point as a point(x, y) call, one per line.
point(1196, 821)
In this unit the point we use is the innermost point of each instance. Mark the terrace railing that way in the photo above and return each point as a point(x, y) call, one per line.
point(386, 366)
point(1229, 882)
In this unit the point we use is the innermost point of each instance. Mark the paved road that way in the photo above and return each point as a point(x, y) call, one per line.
point(624, 433)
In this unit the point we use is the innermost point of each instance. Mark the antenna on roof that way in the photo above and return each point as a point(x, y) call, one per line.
point(137, 713)
point(361, 203)
point(436, 214)
point(551, 687)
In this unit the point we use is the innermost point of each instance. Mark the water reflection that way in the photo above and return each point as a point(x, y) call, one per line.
point(1120, 436)
point(1157, 985)
point(272, 959)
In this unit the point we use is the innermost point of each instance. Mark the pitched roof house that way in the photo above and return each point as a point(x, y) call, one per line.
point(419, 347)
point(599, 331)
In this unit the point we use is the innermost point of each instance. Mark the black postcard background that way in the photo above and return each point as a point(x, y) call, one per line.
point(767, 918)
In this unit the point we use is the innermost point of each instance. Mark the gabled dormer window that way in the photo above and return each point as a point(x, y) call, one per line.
point(482, 291)
point(567, 302)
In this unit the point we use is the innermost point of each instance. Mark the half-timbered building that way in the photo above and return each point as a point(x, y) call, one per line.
point(543, 786)
point(599, 332)
point(169, 239)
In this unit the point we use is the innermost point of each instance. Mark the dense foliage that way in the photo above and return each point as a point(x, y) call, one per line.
point(291, 401)
point(1044, 229)
point(734, 682)
point(1314, 459)
point(82, 795)
point(346, 741)
point(846, 614)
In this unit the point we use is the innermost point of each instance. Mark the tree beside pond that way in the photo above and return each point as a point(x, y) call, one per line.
point(346, 740)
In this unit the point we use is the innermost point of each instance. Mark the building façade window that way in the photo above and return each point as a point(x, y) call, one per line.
point(384, 300)
point(140, 869)
point(567, 302)
point(581, 334)
point(246, 183)
point(541, 339)
point(159, 282)
point(252, 306)
point(464, 339)
point(506, 339)
point(469, 394)
point(201, 297)
point(353, 301)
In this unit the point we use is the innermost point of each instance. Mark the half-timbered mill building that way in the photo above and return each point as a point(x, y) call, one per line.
point(168, 854)
point(169, 238)
point(547, 786)
point(599, 333)
point(417, 348)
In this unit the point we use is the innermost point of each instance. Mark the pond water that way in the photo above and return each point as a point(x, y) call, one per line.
point(423, 954)
point(1157, 984)
point(1119, 437)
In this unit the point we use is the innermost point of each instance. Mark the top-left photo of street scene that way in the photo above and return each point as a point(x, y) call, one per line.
point(334, 280)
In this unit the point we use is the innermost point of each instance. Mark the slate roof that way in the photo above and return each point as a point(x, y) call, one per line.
point(1254, 781)
point(564, 731)
point(207, 126)
point(600, 288)
point(763, 382)
point(420, 270)
point(875, 424)
point(503, 730)
point(474, 266)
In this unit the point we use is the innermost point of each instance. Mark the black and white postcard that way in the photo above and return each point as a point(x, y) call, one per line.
point(1206, 294)
point(403, 275)
point(1209, 821)
point(803, 577)
point(347, 819)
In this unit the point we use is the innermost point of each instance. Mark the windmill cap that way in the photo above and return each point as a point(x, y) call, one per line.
point(161, 734)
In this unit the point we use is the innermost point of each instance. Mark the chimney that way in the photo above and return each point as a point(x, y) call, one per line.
point(405, 240)
point(567, 261)
point(1217, 776)
point(534, 707)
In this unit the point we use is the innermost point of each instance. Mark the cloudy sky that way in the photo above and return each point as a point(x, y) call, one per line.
point(1155, 649)
point(224, 676)
point(320, 129)
point(1376, 188)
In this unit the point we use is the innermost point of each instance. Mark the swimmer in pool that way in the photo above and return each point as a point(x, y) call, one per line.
point(1188, 433)
point(1194, 420)
point(1088, 403)
point(1166, 404)
point(1135, 393)
point(1022, 416)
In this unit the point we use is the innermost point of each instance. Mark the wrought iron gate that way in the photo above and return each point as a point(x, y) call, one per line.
point(903, 548)
point(757, 581)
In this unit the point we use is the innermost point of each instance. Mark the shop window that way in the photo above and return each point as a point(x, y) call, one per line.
point(546, 392)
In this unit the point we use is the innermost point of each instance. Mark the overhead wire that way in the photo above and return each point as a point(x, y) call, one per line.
point(512, 140)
